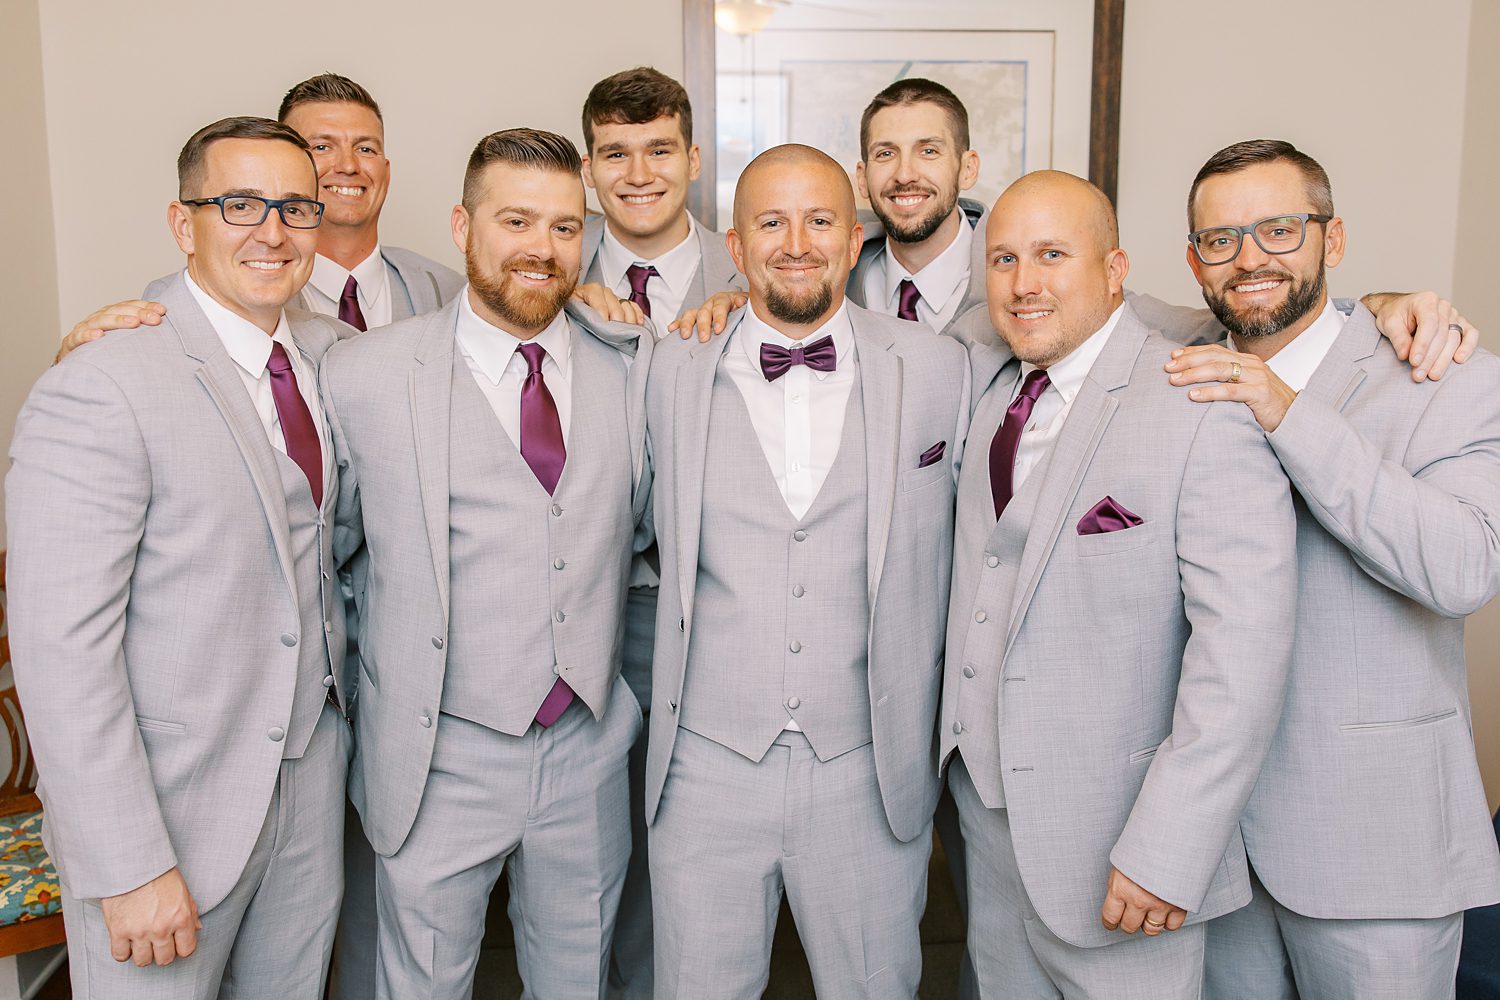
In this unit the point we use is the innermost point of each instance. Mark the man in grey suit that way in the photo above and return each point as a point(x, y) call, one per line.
point(1120, 627)
point(803, 508)
point(178, 645)
point(491, 458)
point(1369, 830)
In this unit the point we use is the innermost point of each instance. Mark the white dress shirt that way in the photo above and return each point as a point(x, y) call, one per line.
point(326, 287)
point(1295, 363)
point(250, 349)
point(799, 418)
point(1065, 378)
point(942, 282)
point(495, 360)
point(667, 288)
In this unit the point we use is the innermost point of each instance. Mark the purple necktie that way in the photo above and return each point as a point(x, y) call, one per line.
point(1008, 439)
point(297, 425)
point(639, 274)
point(906, 308)
point(820, 356)
point(349, 306)
point(542, 448)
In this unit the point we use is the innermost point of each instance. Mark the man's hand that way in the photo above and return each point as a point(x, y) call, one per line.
point(1425, 330)
point(708, 319)
point(1241, 377)
point(157, 922)
point(125, 315)
point(609, 305)
point(1129, 908)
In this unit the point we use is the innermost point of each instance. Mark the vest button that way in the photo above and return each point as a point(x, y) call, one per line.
point(797, 590)
point(794, 646)
point(557, 510)
point(968, 671)
point(328, 681)
point(958, 727)
point(287, 639)
point(992, 561)
point(437, 642)
point(559, 616)
point(276, 734)
point(799, 535)
point(558, 564)
point(682, 624)
point(425, 721)
point(794, 703)
point(981, 617)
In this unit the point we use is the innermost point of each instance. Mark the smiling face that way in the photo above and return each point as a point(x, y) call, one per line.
point(251, 270)
point(1259, 295)
point(522, 245)
point(913, 170)
point(794, 237)
point(1054, 274)
point(641, 173)
point(348, 146)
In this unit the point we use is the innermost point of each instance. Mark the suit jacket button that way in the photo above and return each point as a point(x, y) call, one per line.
point(981, 617)
point(799, 535)
point(797, 590)
point(992, 561)
point(437, 642)
point(673, 706)
point(794, 703)
point(958, 727)
point(328, 681)
point(287, 639)
point(560, 616)
point(557, 510)
point(794, 646)
point(276, 734)
point(425, 721)
point(968, 671)
point(558, 564)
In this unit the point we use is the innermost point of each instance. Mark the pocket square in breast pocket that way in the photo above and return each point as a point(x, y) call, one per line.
point(933, 455)
point(1106, 516)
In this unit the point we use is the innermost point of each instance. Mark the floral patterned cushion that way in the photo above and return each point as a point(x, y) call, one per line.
point(28, 882)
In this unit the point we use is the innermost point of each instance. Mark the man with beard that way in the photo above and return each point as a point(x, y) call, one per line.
point(805, 469)
point(491, 456)
point(1120, 628)
point(1369, 829)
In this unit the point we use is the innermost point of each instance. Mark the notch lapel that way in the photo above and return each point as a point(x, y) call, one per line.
point(1340, 373)
point(693, 401)
point(880, 376)
point(430, 389)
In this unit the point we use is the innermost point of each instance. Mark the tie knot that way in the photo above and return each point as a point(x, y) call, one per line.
point(533, 353)
point(351, 288)
point(1035, 384)
point(278, 363)
point(638, 275)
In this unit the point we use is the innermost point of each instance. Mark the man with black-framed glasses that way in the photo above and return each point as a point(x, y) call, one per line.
point(177, 636)
point(1368, 830)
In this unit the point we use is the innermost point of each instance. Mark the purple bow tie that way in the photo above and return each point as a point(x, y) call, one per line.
point(820, 356)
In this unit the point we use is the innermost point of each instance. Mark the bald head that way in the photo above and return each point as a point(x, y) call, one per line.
point(795, 236)
point(1055, 271)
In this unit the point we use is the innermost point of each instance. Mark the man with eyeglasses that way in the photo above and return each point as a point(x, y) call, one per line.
point(1369, 830)
point(178, 641)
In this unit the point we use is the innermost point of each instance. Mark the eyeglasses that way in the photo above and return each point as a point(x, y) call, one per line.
point(1282, 234)
point(247, 210)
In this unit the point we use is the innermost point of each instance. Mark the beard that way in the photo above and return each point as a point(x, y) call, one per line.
point(523, 308)
point(1267, 321)
point(914, 230)
point(799, 309)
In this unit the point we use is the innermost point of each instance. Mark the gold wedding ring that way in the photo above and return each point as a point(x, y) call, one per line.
point(1234, 371)
point(1155, 923)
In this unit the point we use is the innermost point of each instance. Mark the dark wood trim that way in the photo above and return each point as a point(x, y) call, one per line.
point(1104, 112)
point(700, 77)
point(29, 935)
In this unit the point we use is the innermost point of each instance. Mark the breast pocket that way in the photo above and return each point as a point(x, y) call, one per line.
point(919, 479)
point(1111, 542)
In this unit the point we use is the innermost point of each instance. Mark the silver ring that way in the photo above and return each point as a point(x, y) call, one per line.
point(1235, 371)
point(1456, 329)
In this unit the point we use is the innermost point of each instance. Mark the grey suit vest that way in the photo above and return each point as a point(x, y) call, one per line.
point(537, 582)
point(781, 616)
point(317, 597)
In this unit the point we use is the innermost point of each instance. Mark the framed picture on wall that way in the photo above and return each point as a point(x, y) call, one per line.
point(1040, 80)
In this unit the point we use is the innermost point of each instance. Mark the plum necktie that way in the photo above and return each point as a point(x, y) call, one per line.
point(349, 305)
point(1008, 439)
point(297, 425)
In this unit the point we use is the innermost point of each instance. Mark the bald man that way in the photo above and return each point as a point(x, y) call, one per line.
point(1120, 626)
point(805, 474)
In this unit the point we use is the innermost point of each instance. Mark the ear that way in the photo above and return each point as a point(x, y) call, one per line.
point(460, 225)
point(695, 162)
point(180, 222)
point(1195, 265)
point(856, 241)
point(860, 183)
point(588, 173)
point(1119, 266)
point(1333, 243)
point(968, 174)
point(736, 248)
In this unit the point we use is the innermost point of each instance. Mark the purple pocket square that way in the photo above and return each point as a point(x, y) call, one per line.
point(933, 455)
point(1106, 516)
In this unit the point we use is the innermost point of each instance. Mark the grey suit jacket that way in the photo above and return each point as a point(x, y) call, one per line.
point(1154, 658)
point(1370, 804)
point(152, 598)
point(716, 271)
point(388, 395)
point(873, 253)
point(913, 398)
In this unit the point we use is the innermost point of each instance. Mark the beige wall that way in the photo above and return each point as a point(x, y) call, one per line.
point(28, 275)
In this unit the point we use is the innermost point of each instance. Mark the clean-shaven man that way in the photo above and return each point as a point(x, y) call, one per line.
point(491, 457)
point(178, 642)
point(1120, 628)
point(1369, 830)
point(803, 508)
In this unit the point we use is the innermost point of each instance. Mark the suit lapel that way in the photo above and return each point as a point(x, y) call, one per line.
point(1340, 373)
point(593, 238)
point(430, 387)
point(313, 339)
point(880, 391)
point(693, 399)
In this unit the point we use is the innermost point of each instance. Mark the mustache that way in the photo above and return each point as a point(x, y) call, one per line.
point(1264, 274)
point(896, 190)
point(535, 264)
point(1031, 305)
point(782, 259)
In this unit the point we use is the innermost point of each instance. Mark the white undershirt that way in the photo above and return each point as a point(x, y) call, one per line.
point(941, 283)
point(494, 358)
point(326, 287)
point(667, 288)
point(1295, 363)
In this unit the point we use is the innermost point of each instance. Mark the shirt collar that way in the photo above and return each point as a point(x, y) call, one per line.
point(492, 348)
point(246, 343)
point(1067, 375)
point(676, 266)
point(1295, 363)
point(941, 279)
point(754, 331)
point(330, 278)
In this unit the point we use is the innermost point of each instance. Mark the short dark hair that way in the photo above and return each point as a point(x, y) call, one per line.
point(917, 90)
point(327, 88)
point(1251, 152)
point(195, 150)
point(522, 147)
point(634, 97)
